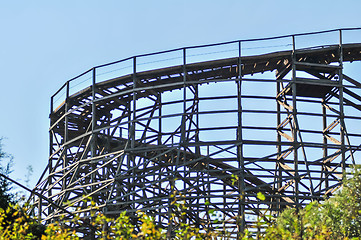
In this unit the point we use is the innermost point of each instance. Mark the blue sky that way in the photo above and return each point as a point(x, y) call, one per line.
point(45, 43)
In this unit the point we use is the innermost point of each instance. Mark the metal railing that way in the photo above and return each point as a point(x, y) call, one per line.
point(201, 53)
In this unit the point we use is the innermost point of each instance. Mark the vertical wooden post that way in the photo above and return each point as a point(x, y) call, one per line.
point(241, 184)
point(295, 122)
point(50, 161)
point(93, 139)
point(134, 114)
point(324, 173)
point(66, 132)
point(342, 117)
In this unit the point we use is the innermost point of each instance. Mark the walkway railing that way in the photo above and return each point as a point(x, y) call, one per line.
point(201, 53)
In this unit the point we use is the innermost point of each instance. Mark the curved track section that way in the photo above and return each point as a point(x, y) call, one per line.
point(211, 135)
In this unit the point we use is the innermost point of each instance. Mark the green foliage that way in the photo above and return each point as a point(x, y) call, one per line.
point(15, 223)
point(336, 218)
point(6, 197)
point(261, 196)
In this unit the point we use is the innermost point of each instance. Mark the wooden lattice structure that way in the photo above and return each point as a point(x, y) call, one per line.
point(214, 133)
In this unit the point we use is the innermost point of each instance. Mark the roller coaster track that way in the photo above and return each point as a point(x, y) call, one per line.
point(127, 145)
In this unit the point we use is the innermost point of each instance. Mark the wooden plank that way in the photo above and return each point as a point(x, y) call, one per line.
point(356, 83)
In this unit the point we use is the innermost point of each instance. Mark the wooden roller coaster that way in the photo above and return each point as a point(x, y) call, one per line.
point(211, 134)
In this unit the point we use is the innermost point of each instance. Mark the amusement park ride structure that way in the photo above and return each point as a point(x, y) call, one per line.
point(208, 126)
